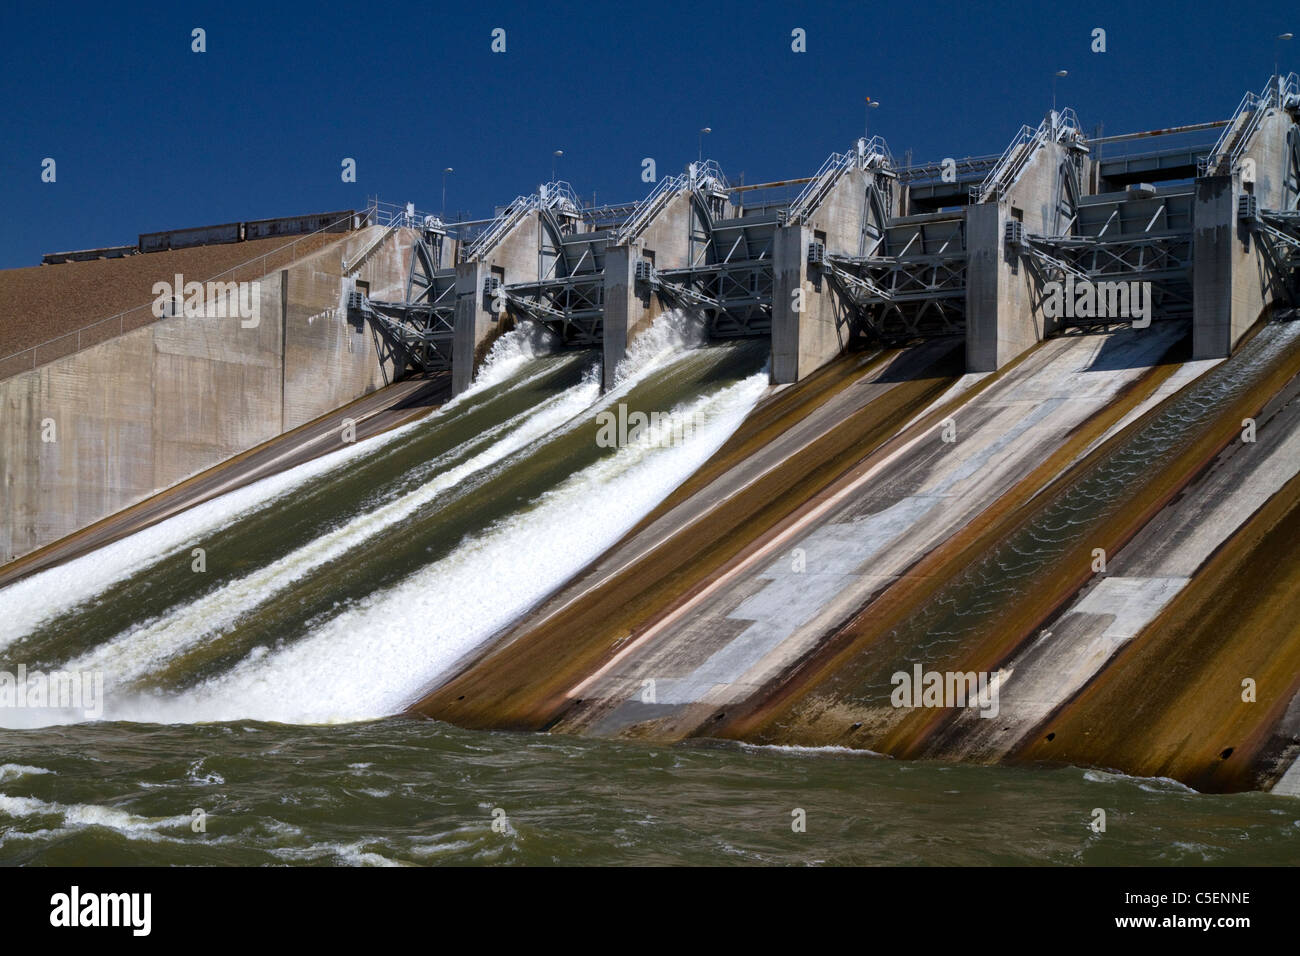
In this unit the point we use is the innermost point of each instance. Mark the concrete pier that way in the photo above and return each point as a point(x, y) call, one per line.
point(1232, 280)
point(630, 306)
point(810, 324)
point(1002, 315)
point(512, 257)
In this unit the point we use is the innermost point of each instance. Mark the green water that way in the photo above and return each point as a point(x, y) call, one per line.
point(413, 792)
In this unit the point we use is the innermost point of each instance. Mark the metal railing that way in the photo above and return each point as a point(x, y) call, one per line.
point(865, 154)
point(707, 174)
point(392, 217)
point(559, 195)
point(114, 325)
point(648, 208)
point(553, 195)
point(519, 207)
point(1055, 127)
point(1246, 119)
point(380, 213)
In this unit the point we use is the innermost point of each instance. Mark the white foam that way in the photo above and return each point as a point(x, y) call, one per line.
point(28, 603)
point(144, 648)
point(376, 657)
point(510, 354)
point(13, 771)
point(663, 342)
point(91, 814)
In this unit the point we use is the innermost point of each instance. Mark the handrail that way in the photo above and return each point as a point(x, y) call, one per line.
point(1009, 157)
point(1234, 133)
point(865, 154)
point(556, 194)
point(1278, 93)
point(706, 172)
point(394, 224)
point(646, 209)
point(518, 207)
point(698, 175)
point(1054, 128)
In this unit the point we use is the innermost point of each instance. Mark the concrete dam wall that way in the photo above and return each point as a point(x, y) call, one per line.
point(918, 454)
point(91, 433)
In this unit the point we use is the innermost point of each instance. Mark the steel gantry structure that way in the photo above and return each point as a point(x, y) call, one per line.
point(568, 296)
point(890, 254)
point(417, 332)
point(728, 275)
point(1142, 235)
point(907, 277)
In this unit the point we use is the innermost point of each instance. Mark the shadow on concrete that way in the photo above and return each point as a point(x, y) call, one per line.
point(939, 357)
point(1124, 350)
point(435, 390)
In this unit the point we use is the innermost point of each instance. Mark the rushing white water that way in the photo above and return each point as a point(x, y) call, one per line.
point(29, 602)
point(373, 657)
point(26, 604)
point(145, 647)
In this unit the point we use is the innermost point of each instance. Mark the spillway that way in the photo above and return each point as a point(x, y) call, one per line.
point(342, 589)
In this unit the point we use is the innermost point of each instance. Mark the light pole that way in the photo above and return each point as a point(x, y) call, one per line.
point(1056, 76)
point(443, 215)
point(871, 105)
point(555, 159)
point(704, 131)
point(1277, 41)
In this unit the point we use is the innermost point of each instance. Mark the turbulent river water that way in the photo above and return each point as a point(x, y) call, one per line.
point(406, 791)
point(253, 649)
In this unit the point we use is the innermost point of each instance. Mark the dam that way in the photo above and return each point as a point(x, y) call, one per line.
point(379, 497)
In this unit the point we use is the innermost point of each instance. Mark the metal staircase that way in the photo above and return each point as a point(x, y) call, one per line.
point(1055, 127)
point(866, 154)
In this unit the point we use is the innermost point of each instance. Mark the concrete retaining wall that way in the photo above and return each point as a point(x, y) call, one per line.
point(145, 410)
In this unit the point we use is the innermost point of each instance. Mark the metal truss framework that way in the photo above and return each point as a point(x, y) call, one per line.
point(1164, 260)
point(1278, 230)
point(1143, 238)
point(568, 298)
point(1278, 233)
point(416, 333)
point(911, 284)
point(730, 275)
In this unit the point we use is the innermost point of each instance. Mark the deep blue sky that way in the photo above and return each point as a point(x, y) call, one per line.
point(150, 136)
